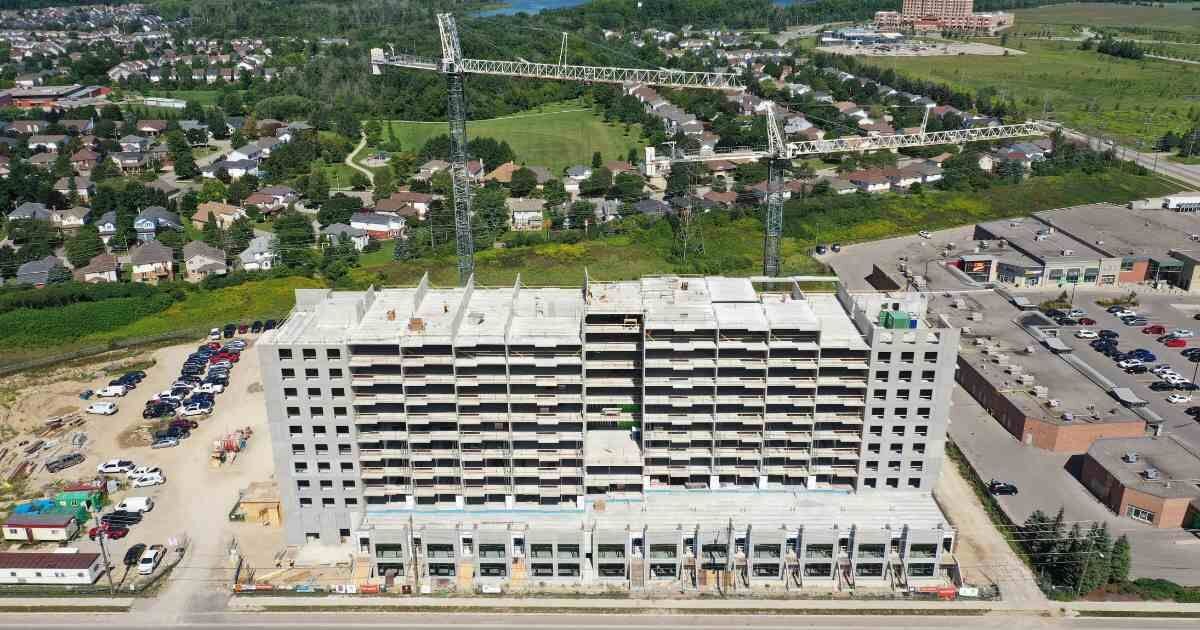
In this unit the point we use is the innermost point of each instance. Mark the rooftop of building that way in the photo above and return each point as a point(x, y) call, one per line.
point(994, 343)
point(423, 315)
point(1039, 241)
point(1177, 466)
point(1122, 232)
point(792, 509)
point(611, 448)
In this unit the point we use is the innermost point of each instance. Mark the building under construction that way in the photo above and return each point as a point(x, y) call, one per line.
point(695, 431)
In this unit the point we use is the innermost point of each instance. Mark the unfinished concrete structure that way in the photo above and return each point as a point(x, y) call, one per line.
point(390, 407)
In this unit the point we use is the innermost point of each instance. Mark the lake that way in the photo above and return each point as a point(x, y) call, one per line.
point(536, 6)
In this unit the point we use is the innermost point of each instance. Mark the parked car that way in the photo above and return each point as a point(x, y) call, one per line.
point(129, 385)
point(208, 388)
point(143, 470)
point(1128, 363)
point(1179, 399)
point(136, 504)
point(121, 518)
point(133, 554)
point(1076, 313)
point(269, 324)
point(1001, 487)
point(1192, 411)
point(113, 391)
point(925, 234)
point(115, 467)
point(256, 327)
point(196, 409)
point(1137, 369)
point(244, 328)
point(86, 394)
point(102, 408)
point(1187, 386)
point(1183, 333)
point(835, 248)
point(1109, 334)
point(229, 330)
point(1122, 312)
point(1154, 329)
point(112, 532)
point(150, 559)
point(148, 480)
point(1054, 313)
point(1087, 321)
point(62, 462)
point(1176, 343)
point(1161, 386)
point(1084, 333)
point(184, 424)
point(1066, 321)
point(214, 334)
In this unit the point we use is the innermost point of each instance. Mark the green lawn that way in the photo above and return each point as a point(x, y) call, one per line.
point(1085, 89)
point(203, 97)
point(555, 136)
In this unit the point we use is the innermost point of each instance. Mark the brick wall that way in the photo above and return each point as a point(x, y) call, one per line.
point(1168, 513)
point(1137, 274)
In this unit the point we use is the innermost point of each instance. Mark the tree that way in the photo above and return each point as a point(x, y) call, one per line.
point(554, 193)
point(597, 184)
point(294, 239)
point(1096, 569)
point(358, 181)
point(385, 183)
point(583, 213)
point(189, 202)
point(524, 182)
point(338, 209)
point(491, 214)
point(680, 180)
point(212, 190)
point(211, 234)
point(316, 187)
point(1119, 560)
point(84, 246)
point(441, 183)
point(241, 232)
point(597, 161)
point(627, 187)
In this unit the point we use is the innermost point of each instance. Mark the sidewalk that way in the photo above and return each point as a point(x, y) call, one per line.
point(85, 603)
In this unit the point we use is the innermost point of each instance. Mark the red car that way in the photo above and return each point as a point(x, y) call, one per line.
point(1176, 343)
point(214, 346)
point(224, 356)
point(242, 328)
point(1087, 321)
point(113, 532)
point(1154, 330)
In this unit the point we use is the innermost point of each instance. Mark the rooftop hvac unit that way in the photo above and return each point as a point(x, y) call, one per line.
point(1130, 458)
point(1068, 252)
point(1030, 349)
point(1001, 358)
point(976, 316)
point(1026, 379)
point(980, 341)
point(1068, 417)
point(1041, 391)
point(960, 303)
point(1013, 369)
point(1054, 403)
point(1001, 244)
point(1151, 473)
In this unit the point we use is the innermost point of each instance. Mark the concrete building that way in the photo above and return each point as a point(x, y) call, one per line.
point(1028, 253)
point(542, 408)
point(939, 15)
point(1152, 480)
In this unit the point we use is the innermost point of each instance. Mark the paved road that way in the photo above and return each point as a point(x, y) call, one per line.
point(489, 621)
point(1184, 173)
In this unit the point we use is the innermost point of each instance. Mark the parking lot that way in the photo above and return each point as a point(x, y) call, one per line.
point(1170, 311)
point(197, 497)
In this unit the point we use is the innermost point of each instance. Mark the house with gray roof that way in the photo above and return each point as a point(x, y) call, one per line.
point(201, 260)
point(154, 218)
point(40, 273)
point(259, 255)
point(358, 237)
point(30, 210)
point(152, 262)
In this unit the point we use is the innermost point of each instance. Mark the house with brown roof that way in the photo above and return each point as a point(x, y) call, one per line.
point(870, 181)
point(201, 260)
point(44, 567)
point(80, 185)
point(503, 173)
point(618, 167)
point(399, 200)
point(84, 160)
point(152, 127)
point(102, 268)
point(222, 213)
point(725, 199)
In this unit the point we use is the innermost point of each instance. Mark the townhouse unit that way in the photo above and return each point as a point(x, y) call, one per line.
point(553, 409)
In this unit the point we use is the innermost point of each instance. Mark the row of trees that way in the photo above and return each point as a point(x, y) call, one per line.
point(1076, 559)
point(1124, 48)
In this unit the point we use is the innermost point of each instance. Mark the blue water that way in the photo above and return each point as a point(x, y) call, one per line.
point(536, 6)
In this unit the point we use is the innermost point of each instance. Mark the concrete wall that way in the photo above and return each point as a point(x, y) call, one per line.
point(1168, 513)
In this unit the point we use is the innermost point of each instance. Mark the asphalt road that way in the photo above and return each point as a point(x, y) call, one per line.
point(490, 621)
point(1185, 173)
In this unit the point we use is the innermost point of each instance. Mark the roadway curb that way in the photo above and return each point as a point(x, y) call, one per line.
point(601, 610)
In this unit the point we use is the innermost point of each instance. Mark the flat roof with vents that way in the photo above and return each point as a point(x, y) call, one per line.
point(1176, 466)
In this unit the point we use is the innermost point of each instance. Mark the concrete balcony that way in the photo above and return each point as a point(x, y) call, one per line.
point(797, 400)
point(627, 329)
point(793, 381)
point(429, 379)
point(853, 364)
point(844, 381)
point(427, 399)
point(359, 360)
point(612, 364)
point(844, 418)
point(799, 363)
point(611, 399)
point(374, 472)
point(848, 401)
point(627, 381)
point(429, 359)
point(682, 365)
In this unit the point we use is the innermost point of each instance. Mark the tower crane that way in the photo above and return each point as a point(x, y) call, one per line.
point(456, 67)
point(778, 152)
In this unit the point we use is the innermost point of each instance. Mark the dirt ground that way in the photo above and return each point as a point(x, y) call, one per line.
point(982, 553)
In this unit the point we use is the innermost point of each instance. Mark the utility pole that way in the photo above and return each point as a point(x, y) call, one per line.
point(101, 536)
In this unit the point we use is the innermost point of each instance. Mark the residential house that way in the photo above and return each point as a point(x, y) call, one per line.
point(236, 169)
point(251, 152)
point(189, 127)
point(102, 268)
point(107, 226)
point(222, 213)
point(722, 169)
point(271, 199)
point(870, 181)
point(151, 128)
point(51, 142)
point(80, 185)
point(40, 273)
point(25, 127)
point(526, 214)
point(154, 218)
point(903, 177)
point(266, 144)
point(43, 567)
point(201, 260)
point(839, 186)
point(359, 238)
point(152, 262)
point(929, 171)
point(795, 123)
point(724, 199)
point(418, 201)
point(134, 144)
point(84, 160)
point(652, 207)
point(170, 190)
point(43, 160)
point(986, 162)
point(619, 167)
point(131, 161)
point(259, 255)
point(377, 225)
point(431, 168)
point(30, 210)
point(70, 219)
point(77, 127)
point(503, 173)
point(475, 170)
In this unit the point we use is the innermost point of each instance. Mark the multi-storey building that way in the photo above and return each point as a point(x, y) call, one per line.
point(556, 423)
point(927, 15)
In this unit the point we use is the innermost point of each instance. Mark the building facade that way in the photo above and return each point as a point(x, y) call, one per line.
point(386, 406)
point(932, 15)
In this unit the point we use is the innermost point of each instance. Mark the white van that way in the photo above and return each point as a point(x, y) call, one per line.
point(136, 504)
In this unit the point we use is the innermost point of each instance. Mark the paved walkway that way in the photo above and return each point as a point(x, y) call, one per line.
point(349, 161)
point(66, 602)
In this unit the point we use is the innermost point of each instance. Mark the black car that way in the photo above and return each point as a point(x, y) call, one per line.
point(1196, 316)
point(1187, 352)
point(121, 517)
point(1137, 369)
point(1001, 487)
point(1055, 313)
point(1187, 387)
point(134, 554)
point(1161, 386)
point(136, 375)
point(229, 330)
point(269, 325)
point(1066, 321)
point(835, 248)
point(1192, 411)
point(820, 250)
point(1109, 334)
point(157, 410)
point(120, 381)
point(256, 327)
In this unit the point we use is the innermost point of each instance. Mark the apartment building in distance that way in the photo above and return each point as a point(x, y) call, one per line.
point(677, 431)
point(941, 15)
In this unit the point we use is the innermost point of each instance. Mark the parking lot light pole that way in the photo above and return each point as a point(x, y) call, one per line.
point(101, 534)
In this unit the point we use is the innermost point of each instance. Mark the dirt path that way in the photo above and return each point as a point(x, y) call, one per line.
point(349, 161)
point(982, 552)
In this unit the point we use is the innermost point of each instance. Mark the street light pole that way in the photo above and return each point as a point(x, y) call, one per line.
point(101, 534)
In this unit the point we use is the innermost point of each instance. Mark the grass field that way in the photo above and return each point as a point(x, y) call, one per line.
point(555, 136)
point(203, 97)
point(1168, 17)
point(1085, 89)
